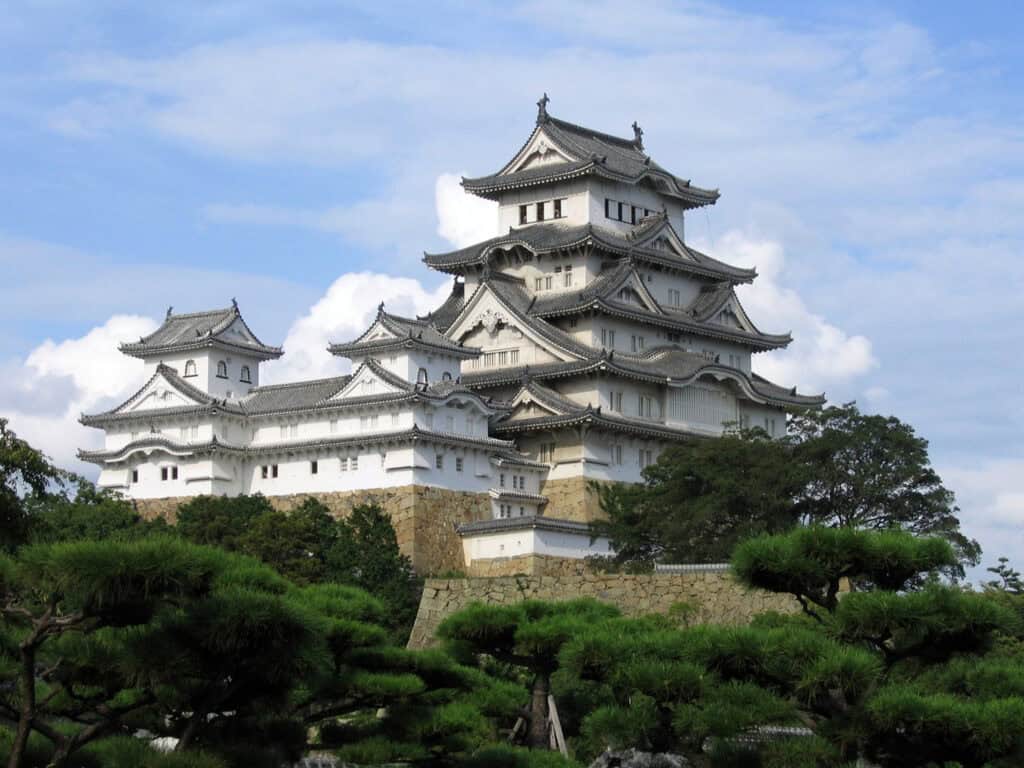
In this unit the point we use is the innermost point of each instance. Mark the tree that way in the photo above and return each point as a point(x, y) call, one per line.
point(365, 554)
point(64, 607)
point(527, 637)
point(835, 467)
point(220, 521)
point(892, 677)
point(873, 472)
point(296, 543)
point(703, 496)
point(92, 514)
point(25, 474)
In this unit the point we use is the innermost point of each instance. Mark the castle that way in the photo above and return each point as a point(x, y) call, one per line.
point(573, 349)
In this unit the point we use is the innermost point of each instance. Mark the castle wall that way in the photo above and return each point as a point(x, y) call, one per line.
point(714, 596)
point(424, 517)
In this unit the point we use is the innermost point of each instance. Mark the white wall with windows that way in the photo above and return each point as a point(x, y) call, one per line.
point(504, 544)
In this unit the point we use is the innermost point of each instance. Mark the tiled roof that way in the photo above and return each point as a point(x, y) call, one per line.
point(526, 522)
point(204, 402)
point(597, 153)
point(408, 332)
point(195, 330)
point(442, 317)
point(298, 395)
point(514, 295)
point(553, 236)
point(214, 445)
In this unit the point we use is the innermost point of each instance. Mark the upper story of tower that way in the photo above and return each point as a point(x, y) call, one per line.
point(569, 174)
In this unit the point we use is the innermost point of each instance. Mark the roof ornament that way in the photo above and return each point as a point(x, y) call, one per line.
point(169, 310)
point(542, 109)
point(234, 303)
point(380, 309)
point(638, 135)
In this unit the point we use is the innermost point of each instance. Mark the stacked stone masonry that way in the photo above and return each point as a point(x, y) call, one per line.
point(714, 596)
point(572, 498)
point(424, 518)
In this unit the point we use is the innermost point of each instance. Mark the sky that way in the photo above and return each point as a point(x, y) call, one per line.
point(302, 156)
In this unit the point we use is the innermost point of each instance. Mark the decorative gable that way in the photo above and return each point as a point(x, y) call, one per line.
point(159, 393)
point(368, 381)
point(539, 151)
point(632, 290)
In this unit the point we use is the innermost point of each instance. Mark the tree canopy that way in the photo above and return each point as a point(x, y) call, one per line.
point(836, 466)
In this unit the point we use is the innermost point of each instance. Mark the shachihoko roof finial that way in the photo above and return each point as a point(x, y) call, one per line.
point(542, 108)
point(169, 310)
point(638, 134)
point(234, 302)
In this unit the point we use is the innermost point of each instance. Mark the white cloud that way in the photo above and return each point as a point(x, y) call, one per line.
point(84, 374)
point(992, 507)
point(463, 219)
point(343, 313)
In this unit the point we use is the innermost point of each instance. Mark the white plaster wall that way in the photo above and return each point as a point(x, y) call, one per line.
point(206, 378)
point(574, 206)
point(531, 541)
point(638, 195)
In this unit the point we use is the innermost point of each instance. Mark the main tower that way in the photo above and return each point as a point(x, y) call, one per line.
point(606, 334)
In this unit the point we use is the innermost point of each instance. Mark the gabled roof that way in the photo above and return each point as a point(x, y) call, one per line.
point(202, 402)
point(297, 395)
point(641, 245)
point(195, 330)
point(391, 332)
point(695, 319)
point(659, 365)
point(589, 152)
point(510, 293)
point(443, 317)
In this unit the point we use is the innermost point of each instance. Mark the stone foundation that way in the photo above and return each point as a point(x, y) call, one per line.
point(527, 565)
point(714, 596)
point(424, 517)
point(572, 498)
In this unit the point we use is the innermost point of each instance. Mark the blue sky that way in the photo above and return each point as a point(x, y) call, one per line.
point(299, 157)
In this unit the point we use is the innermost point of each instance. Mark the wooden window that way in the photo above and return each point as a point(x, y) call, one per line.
point(621, 212)
point(314, 467)
point(522, 511)
point(547, 282)
point(174, 470)
point(501, 481)
point(567, 276)
point(190, 368)
point(558, 209)
point(634, 215)
point(273, 470)
point(538, 283)
point(246, 376)
point(540, 211)
point(135, 475)
point(458, 463)
point(522, 214)
point(163, 473)
point(353, 463)
point(607, 208)
point(264, 471)
point(439, 460)
point(421, 378)
point(222, 369)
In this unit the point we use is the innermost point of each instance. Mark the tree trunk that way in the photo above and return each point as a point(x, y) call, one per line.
point(27, 688)
point(537, 738)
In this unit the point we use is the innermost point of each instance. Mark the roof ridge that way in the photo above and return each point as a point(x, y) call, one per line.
point(576, 127)
point(201, 313)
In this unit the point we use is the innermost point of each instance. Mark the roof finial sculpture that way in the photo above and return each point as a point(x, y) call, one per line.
point(169, 310)
point(234, 303)
point(638, 135)
point(380, 309)
point(542, 109)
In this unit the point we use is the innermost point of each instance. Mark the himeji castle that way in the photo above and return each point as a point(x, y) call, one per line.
point(574, 348)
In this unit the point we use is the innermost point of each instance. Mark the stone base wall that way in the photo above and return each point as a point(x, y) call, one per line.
point(424, 517)
point(715, 596)
point(572, 498)
point(527, 565)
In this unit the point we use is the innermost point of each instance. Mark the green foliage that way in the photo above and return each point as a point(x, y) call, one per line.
point(91, 515)
point(811, 563)
point(1007, 578)
point(836, 467)
point(502, 756)
point(220, 521)
point(26, 475)
point(309, 546)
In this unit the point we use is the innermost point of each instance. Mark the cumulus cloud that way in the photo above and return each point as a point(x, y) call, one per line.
point(344, 312)
point(821, 354)
point(463, 219)
point(45, 393)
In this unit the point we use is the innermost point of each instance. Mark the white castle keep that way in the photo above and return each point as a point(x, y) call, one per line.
point(573, 348)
